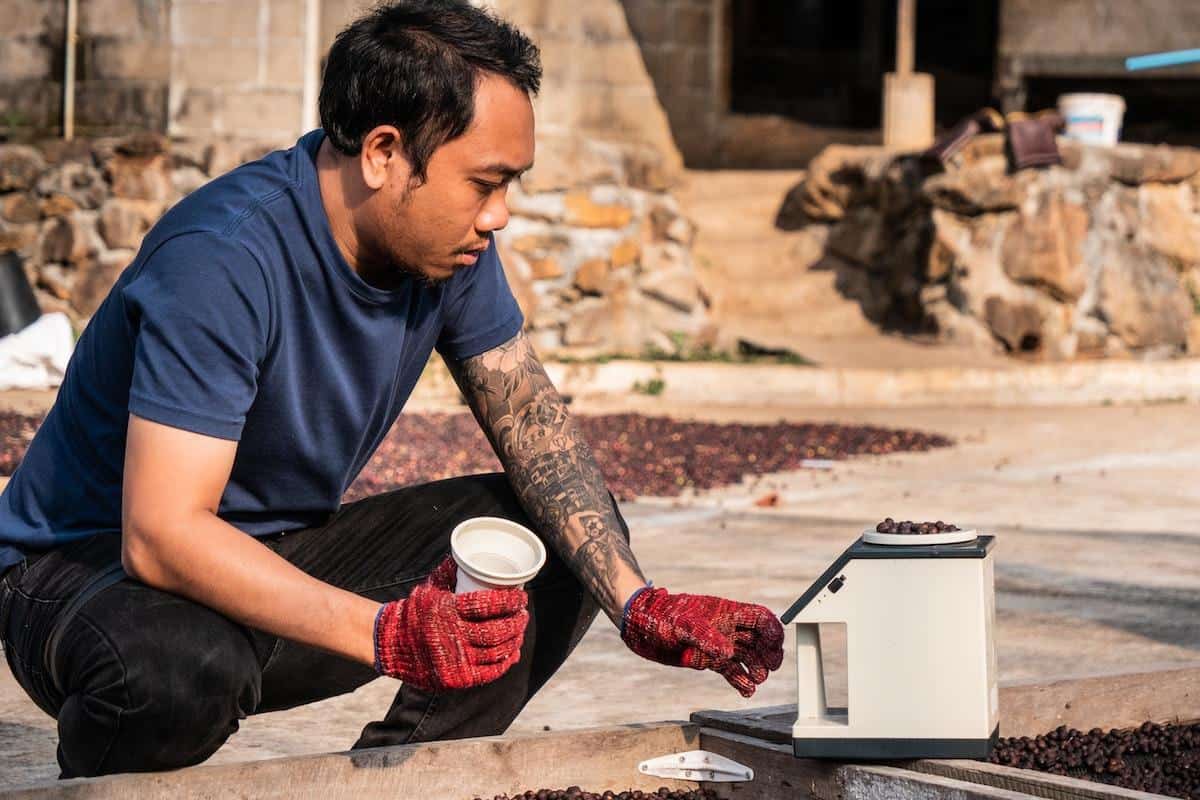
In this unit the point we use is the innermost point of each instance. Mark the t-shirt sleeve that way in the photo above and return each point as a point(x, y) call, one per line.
point(200, 311)
point(479, 310)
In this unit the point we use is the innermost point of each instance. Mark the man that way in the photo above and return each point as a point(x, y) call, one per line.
point(236, 379)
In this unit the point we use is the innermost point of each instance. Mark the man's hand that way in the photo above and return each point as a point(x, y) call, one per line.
point(741, 641)
point(437, 640)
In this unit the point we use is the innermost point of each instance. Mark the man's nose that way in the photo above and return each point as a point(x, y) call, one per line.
point(494, 214)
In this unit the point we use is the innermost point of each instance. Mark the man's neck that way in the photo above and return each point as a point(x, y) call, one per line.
point(333, 198)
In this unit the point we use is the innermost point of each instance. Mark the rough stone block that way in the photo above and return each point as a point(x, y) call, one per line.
point(20, 207)
point(81, 182)
point(544, 269)
point(19, 167)
point(57, 279)
point(1044, 247)
point(58, 205)
point(585, 213)
point(627, 252)
point(1193, 340)
point(123, 222)
point(1143, 299)
point(590, 276)
point(20, 238)
point(141, 178)
point(96, 280)
point(72, 239)
point(541, 245)
point(676, 287)
point(1168, 221)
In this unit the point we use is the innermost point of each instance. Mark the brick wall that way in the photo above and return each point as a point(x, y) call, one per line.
point(122, 65)
point(237, 68)
point(676, 39)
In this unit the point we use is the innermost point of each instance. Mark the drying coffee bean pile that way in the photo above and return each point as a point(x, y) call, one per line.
point(890, 525)
point(575, 793)
point(16, 431)
point(1162, 759)
point(639, 455)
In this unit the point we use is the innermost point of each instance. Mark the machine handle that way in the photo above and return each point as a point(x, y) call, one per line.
point(810, 675)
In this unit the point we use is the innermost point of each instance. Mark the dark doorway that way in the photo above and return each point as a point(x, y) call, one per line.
point(822, 61)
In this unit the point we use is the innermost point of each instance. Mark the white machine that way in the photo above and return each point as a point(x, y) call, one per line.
point(919, 611)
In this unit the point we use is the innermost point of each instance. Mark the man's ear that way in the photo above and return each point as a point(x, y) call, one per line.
point(382, 157)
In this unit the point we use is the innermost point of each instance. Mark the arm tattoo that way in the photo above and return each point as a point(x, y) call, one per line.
point(549, 464)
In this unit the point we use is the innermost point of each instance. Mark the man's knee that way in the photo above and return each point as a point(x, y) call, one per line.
point(150, 699)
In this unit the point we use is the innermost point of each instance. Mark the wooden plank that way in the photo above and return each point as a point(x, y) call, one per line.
point(769, 723)
point(1027, 709)
point(595, 759)
point(1029, 782)
point(1108, 701)
point(779, 775)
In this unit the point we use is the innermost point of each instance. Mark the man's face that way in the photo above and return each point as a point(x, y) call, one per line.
point(443, 224)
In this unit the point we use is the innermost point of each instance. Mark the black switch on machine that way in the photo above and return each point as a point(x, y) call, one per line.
point(836, 584)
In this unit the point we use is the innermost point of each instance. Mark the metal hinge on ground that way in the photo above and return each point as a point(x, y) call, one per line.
point(697, 765)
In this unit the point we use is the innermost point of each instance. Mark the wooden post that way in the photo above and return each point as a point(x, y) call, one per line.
point(907, 95)
point(906, 36)
point(69, 70)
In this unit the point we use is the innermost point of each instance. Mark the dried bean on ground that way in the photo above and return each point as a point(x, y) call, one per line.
point(639, 455)
point(575, 793)
point(1162, 759)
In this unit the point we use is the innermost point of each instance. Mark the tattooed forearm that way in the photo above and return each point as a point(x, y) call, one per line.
point(549, 464)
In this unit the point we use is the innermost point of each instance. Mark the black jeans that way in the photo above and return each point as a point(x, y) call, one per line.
point(141, 679)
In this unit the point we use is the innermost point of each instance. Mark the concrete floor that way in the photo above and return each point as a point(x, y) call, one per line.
point(1097, 512)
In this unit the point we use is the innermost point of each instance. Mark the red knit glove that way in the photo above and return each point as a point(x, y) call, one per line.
point(742, 641)
point(436, 640)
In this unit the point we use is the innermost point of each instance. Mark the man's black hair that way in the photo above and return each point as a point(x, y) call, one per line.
point(415, 64)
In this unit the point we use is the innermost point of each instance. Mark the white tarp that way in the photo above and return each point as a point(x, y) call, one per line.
point(36, 356)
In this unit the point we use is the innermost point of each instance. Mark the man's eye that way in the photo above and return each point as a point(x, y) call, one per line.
point(485, 187)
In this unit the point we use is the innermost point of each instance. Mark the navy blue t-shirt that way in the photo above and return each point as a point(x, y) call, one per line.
point(240, 319)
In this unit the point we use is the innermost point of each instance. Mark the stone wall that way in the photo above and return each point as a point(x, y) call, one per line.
point(1098, 257)
point(597, 251)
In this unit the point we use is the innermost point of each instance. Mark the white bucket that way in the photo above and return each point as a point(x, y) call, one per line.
point(1092, 118)
point(492, 553)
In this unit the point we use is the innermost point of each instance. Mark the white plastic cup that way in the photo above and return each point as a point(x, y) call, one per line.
point(494, 553)
point(1092, 118)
